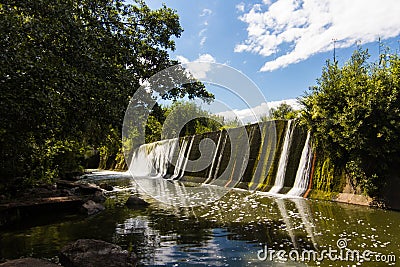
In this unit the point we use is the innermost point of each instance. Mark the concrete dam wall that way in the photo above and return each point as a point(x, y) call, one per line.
point(273, 156)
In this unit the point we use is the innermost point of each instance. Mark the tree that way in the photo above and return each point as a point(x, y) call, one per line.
point(354, 115)
point(282, 112)
point(68, 70)
point(189, 118)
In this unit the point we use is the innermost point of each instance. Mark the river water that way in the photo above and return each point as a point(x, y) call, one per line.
point(240, 229)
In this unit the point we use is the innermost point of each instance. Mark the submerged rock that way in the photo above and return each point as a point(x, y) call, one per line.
point(106, 187)
point(79, 188)
point(134, 201)
point(98, 197)
point(94, 253)
point(28, 262)
point(92, 207)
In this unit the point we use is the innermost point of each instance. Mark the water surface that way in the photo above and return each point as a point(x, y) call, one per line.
point(236, 230)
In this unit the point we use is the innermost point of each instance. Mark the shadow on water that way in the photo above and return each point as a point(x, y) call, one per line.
point(234, 231)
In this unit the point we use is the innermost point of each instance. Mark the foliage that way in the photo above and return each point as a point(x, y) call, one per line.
point(68, 70)
point(354, 114)
point(232, 123)
point(282, 112)
point(186, 117)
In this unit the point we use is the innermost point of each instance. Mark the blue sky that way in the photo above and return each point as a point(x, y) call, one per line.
point(282, 45)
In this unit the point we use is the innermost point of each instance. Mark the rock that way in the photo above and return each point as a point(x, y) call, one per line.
point(87, 189)
point(92, 207)
point(73, 176)
point(98, 197)
point(106, 187)
point(134, 201)
point(79, 188)
point(28, 262)
point(94, 253)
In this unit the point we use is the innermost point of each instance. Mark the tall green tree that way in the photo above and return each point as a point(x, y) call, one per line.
point(282, 112)
point(68, 70)
point(354, 114)
point(184, 118)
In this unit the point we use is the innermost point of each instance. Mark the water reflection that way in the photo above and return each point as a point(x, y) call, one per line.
point(229, 232)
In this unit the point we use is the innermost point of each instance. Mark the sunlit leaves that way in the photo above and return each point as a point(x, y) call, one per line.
point(354, 115)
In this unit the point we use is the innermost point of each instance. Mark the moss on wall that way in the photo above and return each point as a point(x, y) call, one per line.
point(255, 140)
point(327, 177)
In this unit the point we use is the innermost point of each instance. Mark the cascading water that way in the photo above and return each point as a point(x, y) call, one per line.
point(163, 154)
point(141, 164)
point(156, 159)
point(186, 159)
point(178, 170)
point(152, 160)
point(280, 175)
point(303, 172)
point(221, 153)
point(214, 159)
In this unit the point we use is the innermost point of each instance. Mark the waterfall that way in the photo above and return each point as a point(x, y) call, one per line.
point(169, 159)
point(140, 165)
point(153, 160)
point(179, 162)
point(163, 154)
point(221, 153)
point(183, 158)
point(303, 172)
point(280, 175)
point(214, 158)
point(187, 156)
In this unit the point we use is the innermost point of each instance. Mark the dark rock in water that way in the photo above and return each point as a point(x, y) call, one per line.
point(79, 188)
point(94, 253)
point(92, 207)
point(73, 176)
point(134, 201)
point(98, 197)
point(87, 189)
point(28, 262)
point(106, 187)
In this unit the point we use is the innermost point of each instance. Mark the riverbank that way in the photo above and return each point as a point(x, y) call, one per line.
point(62, 196)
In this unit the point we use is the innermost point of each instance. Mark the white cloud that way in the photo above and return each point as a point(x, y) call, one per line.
point(240, 7)
point(308, 27)
point(206, 12)
point(251, 114)
point(206, 58)
point(202, 58)
point(182, 59)
point(199, 71)
point(292, 102)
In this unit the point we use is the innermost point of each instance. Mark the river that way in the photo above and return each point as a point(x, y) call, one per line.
point(240, 229)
